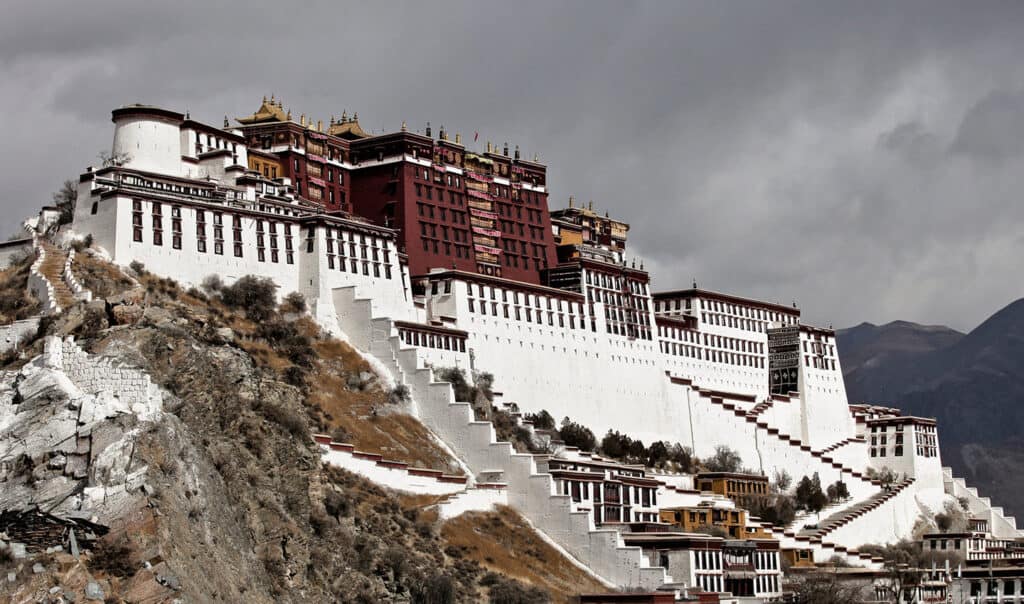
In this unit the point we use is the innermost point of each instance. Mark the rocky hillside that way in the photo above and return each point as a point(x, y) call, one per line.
point(172, 436)
point(973, 384)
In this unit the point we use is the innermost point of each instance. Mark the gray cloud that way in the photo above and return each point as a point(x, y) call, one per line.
point(860, 158)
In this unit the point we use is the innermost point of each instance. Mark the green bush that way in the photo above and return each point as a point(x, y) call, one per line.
point(576, 435)
point(294, 303)
point(541, 420)
point(254, 295)
point(510, 591)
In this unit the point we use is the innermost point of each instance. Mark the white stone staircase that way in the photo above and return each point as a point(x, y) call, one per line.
point(1000, 525)
point(530, 492)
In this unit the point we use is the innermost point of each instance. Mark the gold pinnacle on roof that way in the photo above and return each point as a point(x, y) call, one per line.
point(404, 129)
point(458, 138)
point(269, 111)
point(572, 200)
point(344, 115)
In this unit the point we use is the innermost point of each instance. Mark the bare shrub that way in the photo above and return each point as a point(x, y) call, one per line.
point(112, 557)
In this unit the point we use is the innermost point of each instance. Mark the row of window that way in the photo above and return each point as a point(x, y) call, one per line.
point(432, 340)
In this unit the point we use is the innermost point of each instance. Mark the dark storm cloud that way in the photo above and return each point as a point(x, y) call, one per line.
point(860, 158)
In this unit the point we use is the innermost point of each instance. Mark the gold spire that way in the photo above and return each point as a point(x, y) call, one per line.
point(458, 138)
point(403, 126)
point(332, 119)
point(289, 116)
point(344, 115)
point(302, 119)
point(488, 146)
point(320, 125)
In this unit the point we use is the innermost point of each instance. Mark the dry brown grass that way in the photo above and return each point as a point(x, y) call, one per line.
point(503, 542)
point(16, 303)
point(365, 415)
point(102, 278)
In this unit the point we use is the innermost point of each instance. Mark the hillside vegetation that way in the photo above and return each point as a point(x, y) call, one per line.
point(238, 506)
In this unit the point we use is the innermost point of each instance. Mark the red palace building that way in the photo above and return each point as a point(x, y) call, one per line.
point(481, 212)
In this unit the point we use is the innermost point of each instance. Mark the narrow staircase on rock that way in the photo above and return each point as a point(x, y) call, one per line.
point(53, 269)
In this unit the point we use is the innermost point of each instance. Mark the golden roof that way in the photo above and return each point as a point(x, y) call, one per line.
point(269, 111)
point(348, 128)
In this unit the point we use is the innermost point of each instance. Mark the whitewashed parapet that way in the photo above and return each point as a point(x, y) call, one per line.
point(13, 334)
point(392, 474)
point(80, 292)
point(39, 285)
point(1001, 526)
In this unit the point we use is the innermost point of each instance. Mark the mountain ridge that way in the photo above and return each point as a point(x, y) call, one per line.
point(971, 383)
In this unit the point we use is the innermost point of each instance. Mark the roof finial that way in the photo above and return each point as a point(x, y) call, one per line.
point(332, 119)
point(458, 138)
point(441, 135)
point(188, 115)
point(226, 124)
point(302, 119)
point(355, 116)
point(590, 206)
point(572, 200)
point(404, 128)
point(264, 99)
point(271, 97)
point(488, 146)
point(428, 129)
point(517, 151)
point(344, 115)
point(505, 150)
point(694, 283)
point(536, 157)
point(289, 116)
point(320, 125)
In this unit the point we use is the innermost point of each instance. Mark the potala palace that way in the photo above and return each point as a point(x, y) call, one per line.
point(425, 254)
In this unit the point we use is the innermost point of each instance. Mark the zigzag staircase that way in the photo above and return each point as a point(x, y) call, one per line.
point(1000, 525)
point(788, 536)
point(530, 492)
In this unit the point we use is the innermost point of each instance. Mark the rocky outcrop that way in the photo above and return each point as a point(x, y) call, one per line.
point(68, 424)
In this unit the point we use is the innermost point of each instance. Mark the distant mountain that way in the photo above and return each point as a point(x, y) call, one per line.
point(874, 357)
point(973, 384)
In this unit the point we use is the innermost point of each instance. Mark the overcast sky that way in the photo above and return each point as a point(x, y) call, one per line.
point(864, 159)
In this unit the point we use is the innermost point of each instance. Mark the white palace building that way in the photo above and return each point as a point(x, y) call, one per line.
point(595, 344)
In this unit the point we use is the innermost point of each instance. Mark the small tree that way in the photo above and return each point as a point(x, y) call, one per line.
point(724, 460)
point(255, 295)
point(782, 481)
point(837, 492)
point(825, 587)
point(65, 199)
point(541, 420)
point(575, 435)
point(294, 303)
point(212, 284)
